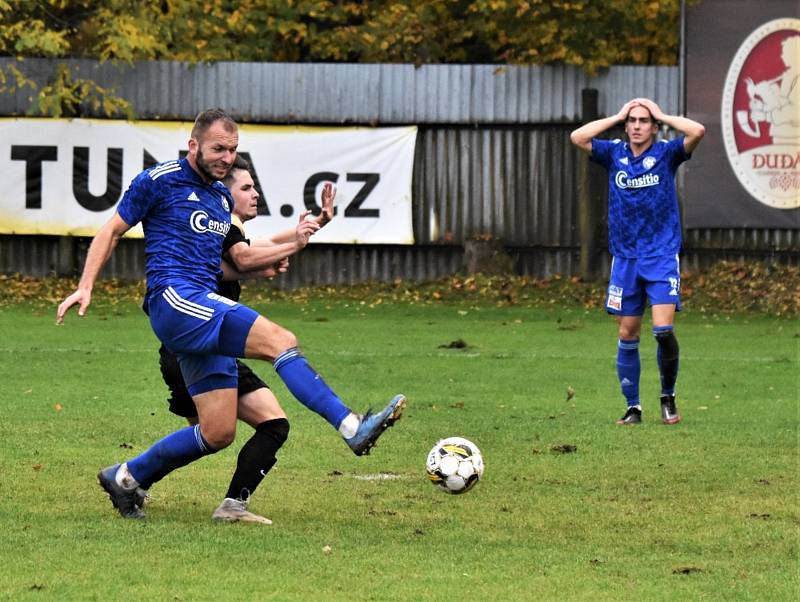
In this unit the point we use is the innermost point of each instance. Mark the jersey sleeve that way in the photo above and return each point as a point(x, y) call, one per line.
point(138, 199)
point(233, 237)
point(601, 151)
point(677, 151)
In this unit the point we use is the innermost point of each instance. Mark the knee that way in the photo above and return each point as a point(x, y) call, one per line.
point(219, 437)
point(277, 430)
point(286, 339)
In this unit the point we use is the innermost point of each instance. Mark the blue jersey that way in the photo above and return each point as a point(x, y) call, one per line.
point(643, 215)
point(185, 222)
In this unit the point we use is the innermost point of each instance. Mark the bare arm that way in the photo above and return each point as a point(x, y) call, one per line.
point(231, 273)
point(103, 244)
point(582, 137)
point(692, 131)
point(246, 258)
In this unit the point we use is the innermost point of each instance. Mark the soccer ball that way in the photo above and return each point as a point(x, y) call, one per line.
point(454, 465)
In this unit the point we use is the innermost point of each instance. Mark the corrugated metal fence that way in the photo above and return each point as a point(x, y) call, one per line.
point(493, 157)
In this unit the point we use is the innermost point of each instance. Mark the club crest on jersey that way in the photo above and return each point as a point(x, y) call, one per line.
point(225, 204)
point(649, 162)
point(201, 224)
point(623, 181)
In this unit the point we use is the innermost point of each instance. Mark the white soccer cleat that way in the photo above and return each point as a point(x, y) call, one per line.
point(231, 511)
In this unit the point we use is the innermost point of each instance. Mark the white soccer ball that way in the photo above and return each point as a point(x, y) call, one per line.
point(454, 465)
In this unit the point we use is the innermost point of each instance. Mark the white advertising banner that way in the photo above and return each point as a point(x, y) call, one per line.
point(65, 176)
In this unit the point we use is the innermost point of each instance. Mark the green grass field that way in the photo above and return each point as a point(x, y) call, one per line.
point(707, 509)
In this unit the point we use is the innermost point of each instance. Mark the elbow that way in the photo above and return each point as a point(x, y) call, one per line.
point(701, 131)
point(581, 140)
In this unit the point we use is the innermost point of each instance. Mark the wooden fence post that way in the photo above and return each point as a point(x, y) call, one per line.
point(588, 210)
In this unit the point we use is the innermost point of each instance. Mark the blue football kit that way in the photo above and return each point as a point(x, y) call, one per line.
point(185, 221)
point(644, 238)
point(644, 228)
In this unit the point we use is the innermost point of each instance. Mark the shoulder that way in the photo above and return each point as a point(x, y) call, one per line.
point(219, 186)
point(603, 151)
point(157, 176)
point(674, 148)
point(601, 142)
point(163, 169)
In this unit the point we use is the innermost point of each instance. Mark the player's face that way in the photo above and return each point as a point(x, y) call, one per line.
point(245, 195)
point(214, 153)
point(640, 126)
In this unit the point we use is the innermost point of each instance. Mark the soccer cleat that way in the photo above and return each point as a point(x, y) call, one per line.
point(632, 416)
point(669, 411)
point(124, 500)
point(142, 497)
point(231, 511)
point(372, 425)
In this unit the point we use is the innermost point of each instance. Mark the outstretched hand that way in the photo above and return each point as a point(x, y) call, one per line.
point(328, 196)
point(81, 297)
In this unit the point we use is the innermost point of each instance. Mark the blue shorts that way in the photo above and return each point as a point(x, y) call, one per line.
point(206, 331)
point(636, 281)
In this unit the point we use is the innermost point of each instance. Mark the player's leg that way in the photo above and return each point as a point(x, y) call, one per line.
point(664, 293)
point(625, 301)
point(629, 366)
point(189, 321)
point(211, 380)
point(258, 407)
point(180, 403)
point(269, 341)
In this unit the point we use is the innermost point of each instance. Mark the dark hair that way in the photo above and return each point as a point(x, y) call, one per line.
point(240, 163)
point(208, 118)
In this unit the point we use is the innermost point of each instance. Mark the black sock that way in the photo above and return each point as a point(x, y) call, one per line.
point(668, 358)
point(257, 457)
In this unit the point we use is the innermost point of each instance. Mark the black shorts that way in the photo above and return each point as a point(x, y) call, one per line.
point(180, 402)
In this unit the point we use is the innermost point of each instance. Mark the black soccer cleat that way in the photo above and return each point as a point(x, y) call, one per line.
point(669, 411)
point(142, 497)
point(632, 416)
point(124, 500)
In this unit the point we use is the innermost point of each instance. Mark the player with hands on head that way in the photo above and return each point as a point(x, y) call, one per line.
point(185, 212)
point(644, 237)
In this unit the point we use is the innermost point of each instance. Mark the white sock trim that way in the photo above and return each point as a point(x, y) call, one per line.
point(349, 425)
point(124, 478)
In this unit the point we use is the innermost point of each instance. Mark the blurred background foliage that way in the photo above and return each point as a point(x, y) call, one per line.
point(592, 34)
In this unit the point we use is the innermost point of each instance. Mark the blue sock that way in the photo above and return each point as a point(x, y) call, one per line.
point(173, 451)
point(667, 356)
point(628, 370)
point(309, 388)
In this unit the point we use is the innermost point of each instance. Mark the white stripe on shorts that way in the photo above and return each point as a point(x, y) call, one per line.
point(187, 307)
